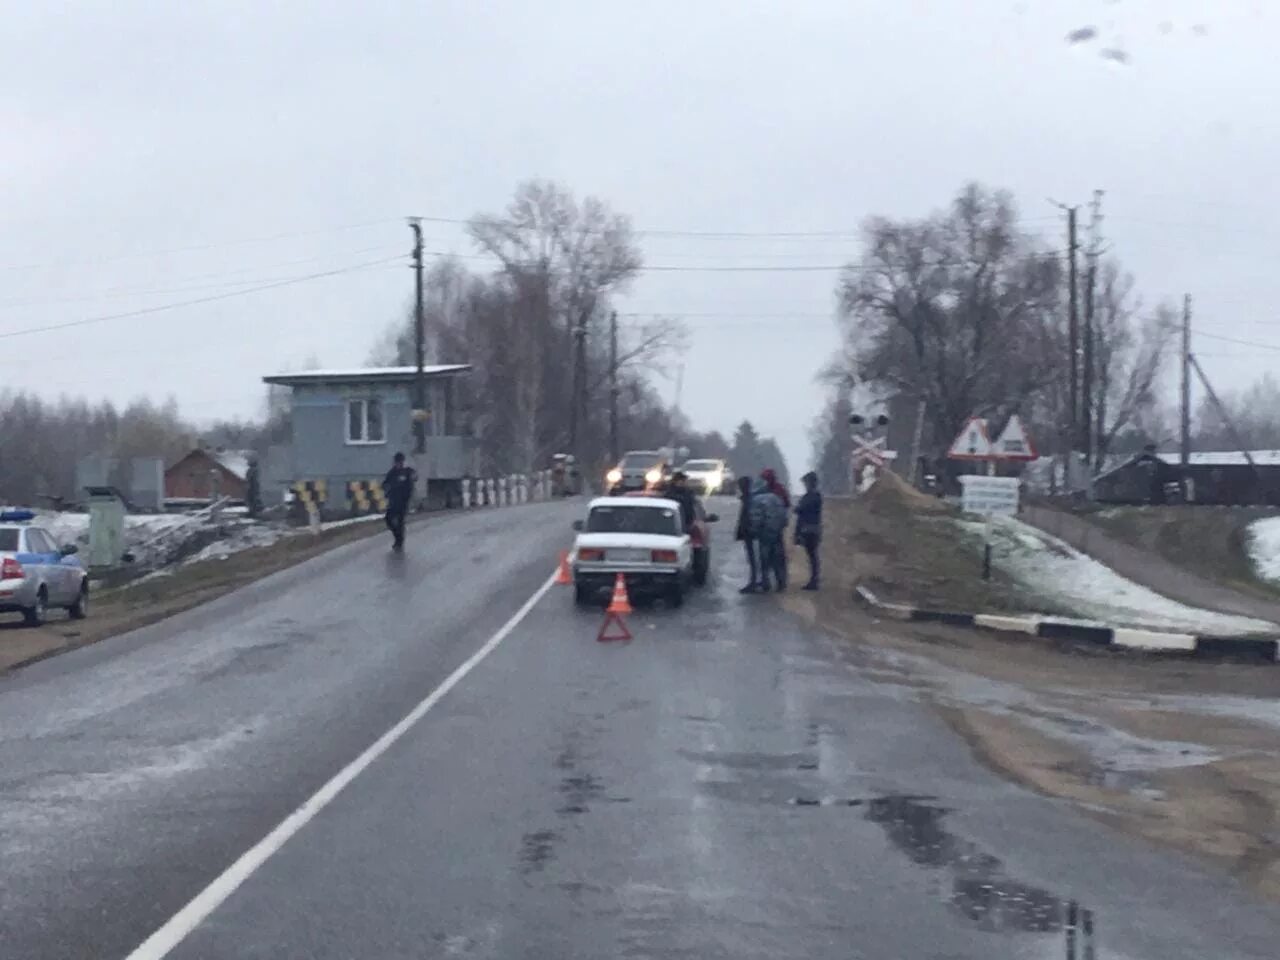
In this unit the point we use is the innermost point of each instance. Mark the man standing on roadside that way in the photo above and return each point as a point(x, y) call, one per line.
point(747, 535)
point(770, 478)
point(677, 489)
point(768, 523)
point(809, 525)
point(398, 486)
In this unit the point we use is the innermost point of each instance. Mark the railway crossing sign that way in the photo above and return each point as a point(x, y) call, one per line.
point(972, 442)
point(872, 450)
point(1014, 443)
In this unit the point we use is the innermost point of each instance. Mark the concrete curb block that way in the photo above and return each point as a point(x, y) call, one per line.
point(1059, 628)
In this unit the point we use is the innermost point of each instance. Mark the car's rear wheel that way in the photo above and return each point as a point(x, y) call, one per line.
point(37, 614)
point(675, 594)
point(701, 566)
point(80, 609)
point(582, 596)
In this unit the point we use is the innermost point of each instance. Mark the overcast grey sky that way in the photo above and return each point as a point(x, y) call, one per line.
point(158, 152)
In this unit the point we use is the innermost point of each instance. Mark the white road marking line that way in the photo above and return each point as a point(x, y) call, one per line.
point(176, 929)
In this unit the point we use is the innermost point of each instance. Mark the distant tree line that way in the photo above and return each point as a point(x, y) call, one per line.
point(41, 441)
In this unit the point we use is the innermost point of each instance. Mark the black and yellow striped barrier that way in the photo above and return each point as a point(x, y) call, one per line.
point(364, 496)
point(312, 493)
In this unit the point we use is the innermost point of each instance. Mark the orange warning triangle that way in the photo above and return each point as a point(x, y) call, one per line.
point(616, 619)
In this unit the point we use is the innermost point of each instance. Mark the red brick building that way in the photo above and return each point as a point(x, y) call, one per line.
point(204, 473)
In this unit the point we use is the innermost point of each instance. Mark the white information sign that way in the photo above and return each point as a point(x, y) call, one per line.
point(990, 496)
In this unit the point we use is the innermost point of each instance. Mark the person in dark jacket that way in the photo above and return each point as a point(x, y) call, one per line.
point(677, 489)
point(769, 524)
point(746, 534)
point(809, 526)
point(397, 487)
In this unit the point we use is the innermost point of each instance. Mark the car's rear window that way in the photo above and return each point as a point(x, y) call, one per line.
point(658, 520)
point(639, 459)
point(9, 539)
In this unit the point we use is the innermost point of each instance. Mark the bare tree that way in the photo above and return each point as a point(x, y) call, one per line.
point(956, 308)
point(1130, 354)
point(1255, 412)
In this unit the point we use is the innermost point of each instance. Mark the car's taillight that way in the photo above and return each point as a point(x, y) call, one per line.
point(11, 569)
point(590, 554)
point(663, 556)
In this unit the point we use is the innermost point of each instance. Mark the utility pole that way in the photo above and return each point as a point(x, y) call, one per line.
point(1184, 450)
point(675, 407)
point(614, 453)
point(419, 342)
point(578, 405)
point(1090, 333)
point(1073, 348)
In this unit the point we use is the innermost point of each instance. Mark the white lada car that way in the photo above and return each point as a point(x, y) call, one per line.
point(641, 537)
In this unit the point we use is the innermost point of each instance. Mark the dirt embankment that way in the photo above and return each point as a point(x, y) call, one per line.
point(904, 546)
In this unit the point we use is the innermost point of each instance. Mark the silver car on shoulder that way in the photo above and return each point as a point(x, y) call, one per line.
point(36, 574)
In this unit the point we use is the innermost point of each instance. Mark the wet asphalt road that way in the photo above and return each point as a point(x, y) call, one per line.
point(723, 786)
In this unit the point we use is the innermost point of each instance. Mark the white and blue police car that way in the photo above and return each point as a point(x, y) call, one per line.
point(36, 574)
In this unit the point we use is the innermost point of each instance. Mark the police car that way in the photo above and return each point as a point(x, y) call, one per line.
point(36, 574)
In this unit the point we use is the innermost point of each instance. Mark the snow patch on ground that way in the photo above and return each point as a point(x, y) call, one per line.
point(1264, 547)
point(245, 537)
point(159, 540)
point(1054, 570)
point(138, 527)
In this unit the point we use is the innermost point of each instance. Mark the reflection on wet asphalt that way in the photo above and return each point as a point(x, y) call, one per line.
point(725, 786)
point(979, 888)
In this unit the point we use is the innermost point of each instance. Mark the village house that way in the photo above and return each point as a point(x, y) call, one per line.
point(209, 472)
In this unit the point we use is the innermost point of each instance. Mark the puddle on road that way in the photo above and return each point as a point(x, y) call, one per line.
point(537, 849)
point(974, 882)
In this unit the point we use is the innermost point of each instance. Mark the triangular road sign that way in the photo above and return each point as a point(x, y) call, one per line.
point(972, 443)
point(1014, 443)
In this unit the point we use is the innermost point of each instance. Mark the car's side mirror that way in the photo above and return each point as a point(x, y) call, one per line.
point(713, 518)
point(579, 525)
point(68, 549)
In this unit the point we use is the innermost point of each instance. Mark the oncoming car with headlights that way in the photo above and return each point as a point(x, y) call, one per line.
point(642, 538)
point(639, 470)
point(708, 477)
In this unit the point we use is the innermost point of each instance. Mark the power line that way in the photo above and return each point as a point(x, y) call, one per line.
point(1242, 343)
point(848, 233)
point(757, 268)
point(244, 241)
point(123, 293)
point(199, 300)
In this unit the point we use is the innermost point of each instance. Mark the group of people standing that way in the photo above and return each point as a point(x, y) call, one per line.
point(762, 527)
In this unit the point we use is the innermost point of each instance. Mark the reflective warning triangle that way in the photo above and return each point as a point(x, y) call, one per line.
point(972, 442)
point(1014, 443)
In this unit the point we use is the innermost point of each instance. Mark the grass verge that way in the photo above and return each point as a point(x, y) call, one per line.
point(141, 603)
